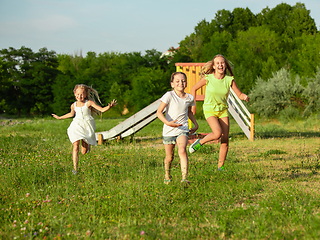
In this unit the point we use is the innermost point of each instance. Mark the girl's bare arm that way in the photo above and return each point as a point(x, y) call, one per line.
point(68, 115)
point(102, 109)
point(237, 91)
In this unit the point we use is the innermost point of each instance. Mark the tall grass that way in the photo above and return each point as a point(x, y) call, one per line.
point(270, 189)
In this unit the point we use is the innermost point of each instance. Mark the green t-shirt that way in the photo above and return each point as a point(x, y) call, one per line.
point(217, 92)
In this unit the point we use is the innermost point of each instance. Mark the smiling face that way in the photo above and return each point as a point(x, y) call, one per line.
point(80, 94)
point(179, 82)
point(219, 65)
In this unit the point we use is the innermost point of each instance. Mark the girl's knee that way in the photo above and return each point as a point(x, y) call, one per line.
point(182, 151)
point(169, 159)
point(218, 134)
point(215, 135)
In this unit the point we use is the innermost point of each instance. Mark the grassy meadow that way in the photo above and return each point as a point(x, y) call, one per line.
point(270, 189)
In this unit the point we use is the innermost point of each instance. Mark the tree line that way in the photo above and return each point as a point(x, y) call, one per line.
point(258, 45)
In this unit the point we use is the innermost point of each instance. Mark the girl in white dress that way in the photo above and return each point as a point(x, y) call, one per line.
point(83, 126)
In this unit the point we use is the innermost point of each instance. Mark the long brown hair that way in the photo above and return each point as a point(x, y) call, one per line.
point(208, 67)
point(92, 95)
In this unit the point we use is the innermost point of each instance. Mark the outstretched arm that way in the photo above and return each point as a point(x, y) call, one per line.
point(68, 115)
point(102, 109)
point(237, 91)
point(162, 117)
point(202, 82)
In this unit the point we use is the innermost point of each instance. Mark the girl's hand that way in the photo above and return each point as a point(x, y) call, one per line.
point(55, 116)
point(244, 97)
point(113, 103)
point(174, 124)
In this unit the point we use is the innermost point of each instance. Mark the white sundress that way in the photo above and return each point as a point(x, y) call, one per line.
point(82, 126)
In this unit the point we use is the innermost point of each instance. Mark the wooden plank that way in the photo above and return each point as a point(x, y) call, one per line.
point(240, 103)
point(100, 139)
point(252, 128)
point(232, 101)
point(131, 121)
point(239, 120)
point(139, 126)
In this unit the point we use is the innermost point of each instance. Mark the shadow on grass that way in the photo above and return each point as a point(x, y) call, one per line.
point(287, 175)
point(286, 134)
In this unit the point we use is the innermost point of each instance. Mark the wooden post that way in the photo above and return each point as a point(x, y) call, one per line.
point(252, 127)
point(100, 139)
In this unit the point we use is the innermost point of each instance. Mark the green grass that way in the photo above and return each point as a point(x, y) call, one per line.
point(270, 189)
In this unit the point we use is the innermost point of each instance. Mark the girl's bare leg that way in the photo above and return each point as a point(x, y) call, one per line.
point(224, 123)
point(75, 156)
point(169, 148)
point(215, 128)
point(85, 147)
point(182, 142)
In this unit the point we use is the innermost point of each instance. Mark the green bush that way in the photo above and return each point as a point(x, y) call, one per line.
point(281, 91)
point(312, 95)
point(289, 113)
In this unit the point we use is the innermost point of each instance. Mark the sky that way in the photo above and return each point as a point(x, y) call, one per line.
point(81, 26)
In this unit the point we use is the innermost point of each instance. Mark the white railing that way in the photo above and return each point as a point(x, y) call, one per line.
point(241, 114)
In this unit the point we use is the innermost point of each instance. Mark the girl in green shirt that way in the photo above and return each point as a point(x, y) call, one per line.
point(214, 77)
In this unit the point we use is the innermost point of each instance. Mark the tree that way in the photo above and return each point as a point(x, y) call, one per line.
point(219, 43)
point(300, 22)
point(250, 53)
point(28, 79)
point(206, 29)
point(291, 21)
point(191, 46)
point(63, 94)
point(223, 19)
point(276, 19)
point(148, 85)
point(121, 93)
point(304, 59)
point(242, 20)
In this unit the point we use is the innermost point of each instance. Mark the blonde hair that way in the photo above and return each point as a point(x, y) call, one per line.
point(208, 67)
point(91, 94)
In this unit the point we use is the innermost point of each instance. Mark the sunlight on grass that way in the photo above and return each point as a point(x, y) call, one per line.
point(270, 188)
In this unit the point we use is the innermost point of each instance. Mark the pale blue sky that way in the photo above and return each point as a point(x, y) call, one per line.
point(68, 26)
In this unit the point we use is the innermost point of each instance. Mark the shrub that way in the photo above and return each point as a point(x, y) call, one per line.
point(312, 95)
point(289, 113)
point(278, 93)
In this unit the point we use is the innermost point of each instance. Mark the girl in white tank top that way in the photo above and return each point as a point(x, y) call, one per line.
point(83, 126)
